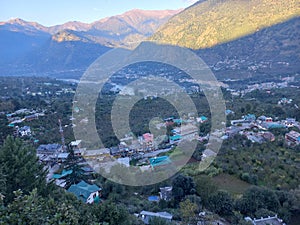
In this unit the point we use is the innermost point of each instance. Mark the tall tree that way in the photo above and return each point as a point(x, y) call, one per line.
point(182, 186)
point(221, 203)
point(77, 174)
point(188, 211)
point(20, 168)
point(205, 188)
point(256, 198)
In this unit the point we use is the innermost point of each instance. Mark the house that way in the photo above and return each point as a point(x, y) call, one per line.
point(254, 138)
point(232, 131)
point(79, 152)
point(239, 122)
point(76, 144)
point(268, 136)
point(49, 149)
point(99, 154)
point(228, 112)
point(31, 117)
point(77, 148)
point(169, 121)
point(292, 138)
point(115, 151)
point(88, 193)
point(148, 141)
point(63, 174)
point(202, 119)
point(284, 101)
point(290, 122)
point(175, 139)
point(165, 193)
point(62, 157)
point(24, 131)
point(249, 117)
point(87, 170)
point(12, 124)
point(272, 125)
point(146, 216)
point(186, 130)
point(265, 119)
point(274, 220)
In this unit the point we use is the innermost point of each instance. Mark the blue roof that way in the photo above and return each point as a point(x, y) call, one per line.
point(177, 120)
point(49, 147)
point(153, 198)
point(63, 174)
point(83, 190)
point(175, 137)
point(203, 118)
point(159, 161)
point(250, 117)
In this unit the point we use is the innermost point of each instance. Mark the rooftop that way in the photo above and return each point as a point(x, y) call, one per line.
point(49, 147)
point(75, 143)
point(63, 174)
point(164, 215)
point(83, 190)
point(159, 161)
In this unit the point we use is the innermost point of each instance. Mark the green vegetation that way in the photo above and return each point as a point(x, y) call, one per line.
point(245, 179)
point(230, 183)
point(209, 23)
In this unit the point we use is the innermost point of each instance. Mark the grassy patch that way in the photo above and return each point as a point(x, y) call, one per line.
point(230, 183)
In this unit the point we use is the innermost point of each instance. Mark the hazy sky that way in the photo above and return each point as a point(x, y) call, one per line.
point(53, 12)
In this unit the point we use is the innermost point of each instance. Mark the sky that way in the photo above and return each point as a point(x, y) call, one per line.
point(53, 12)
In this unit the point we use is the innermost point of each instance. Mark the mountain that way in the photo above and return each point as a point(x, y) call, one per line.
point(67, 59)
point(268, 53)
point(127, 29)
point(237, 38)
point(28, 48)
point(211, 22)
point(132, 26)
point(72, 25)
point(19, 37)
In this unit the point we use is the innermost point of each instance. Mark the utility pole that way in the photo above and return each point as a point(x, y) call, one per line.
point(61, 131)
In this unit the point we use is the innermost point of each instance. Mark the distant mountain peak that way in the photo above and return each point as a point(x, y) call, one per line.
point(68, 35)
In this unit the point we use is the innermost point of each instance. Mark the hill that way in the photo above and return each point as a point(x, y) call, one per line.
point(211, 22)
point(269, 53)
point(239, 39)
point(19, 37)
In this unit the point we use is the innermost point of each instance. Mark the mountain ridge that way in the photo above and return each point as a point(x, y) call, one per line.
point(233, 19)
point(81, 26)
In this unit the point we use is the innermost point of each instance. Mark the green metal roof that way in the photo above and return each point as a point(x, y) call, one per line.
point(83, 190)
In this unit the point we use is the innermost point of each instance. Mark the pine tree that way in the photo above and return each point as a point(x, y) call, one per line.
point(20, 169)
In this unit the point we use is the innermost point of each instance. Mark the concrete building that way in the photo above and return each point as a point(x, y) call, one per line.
point(266, 221)
point(292, 138)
